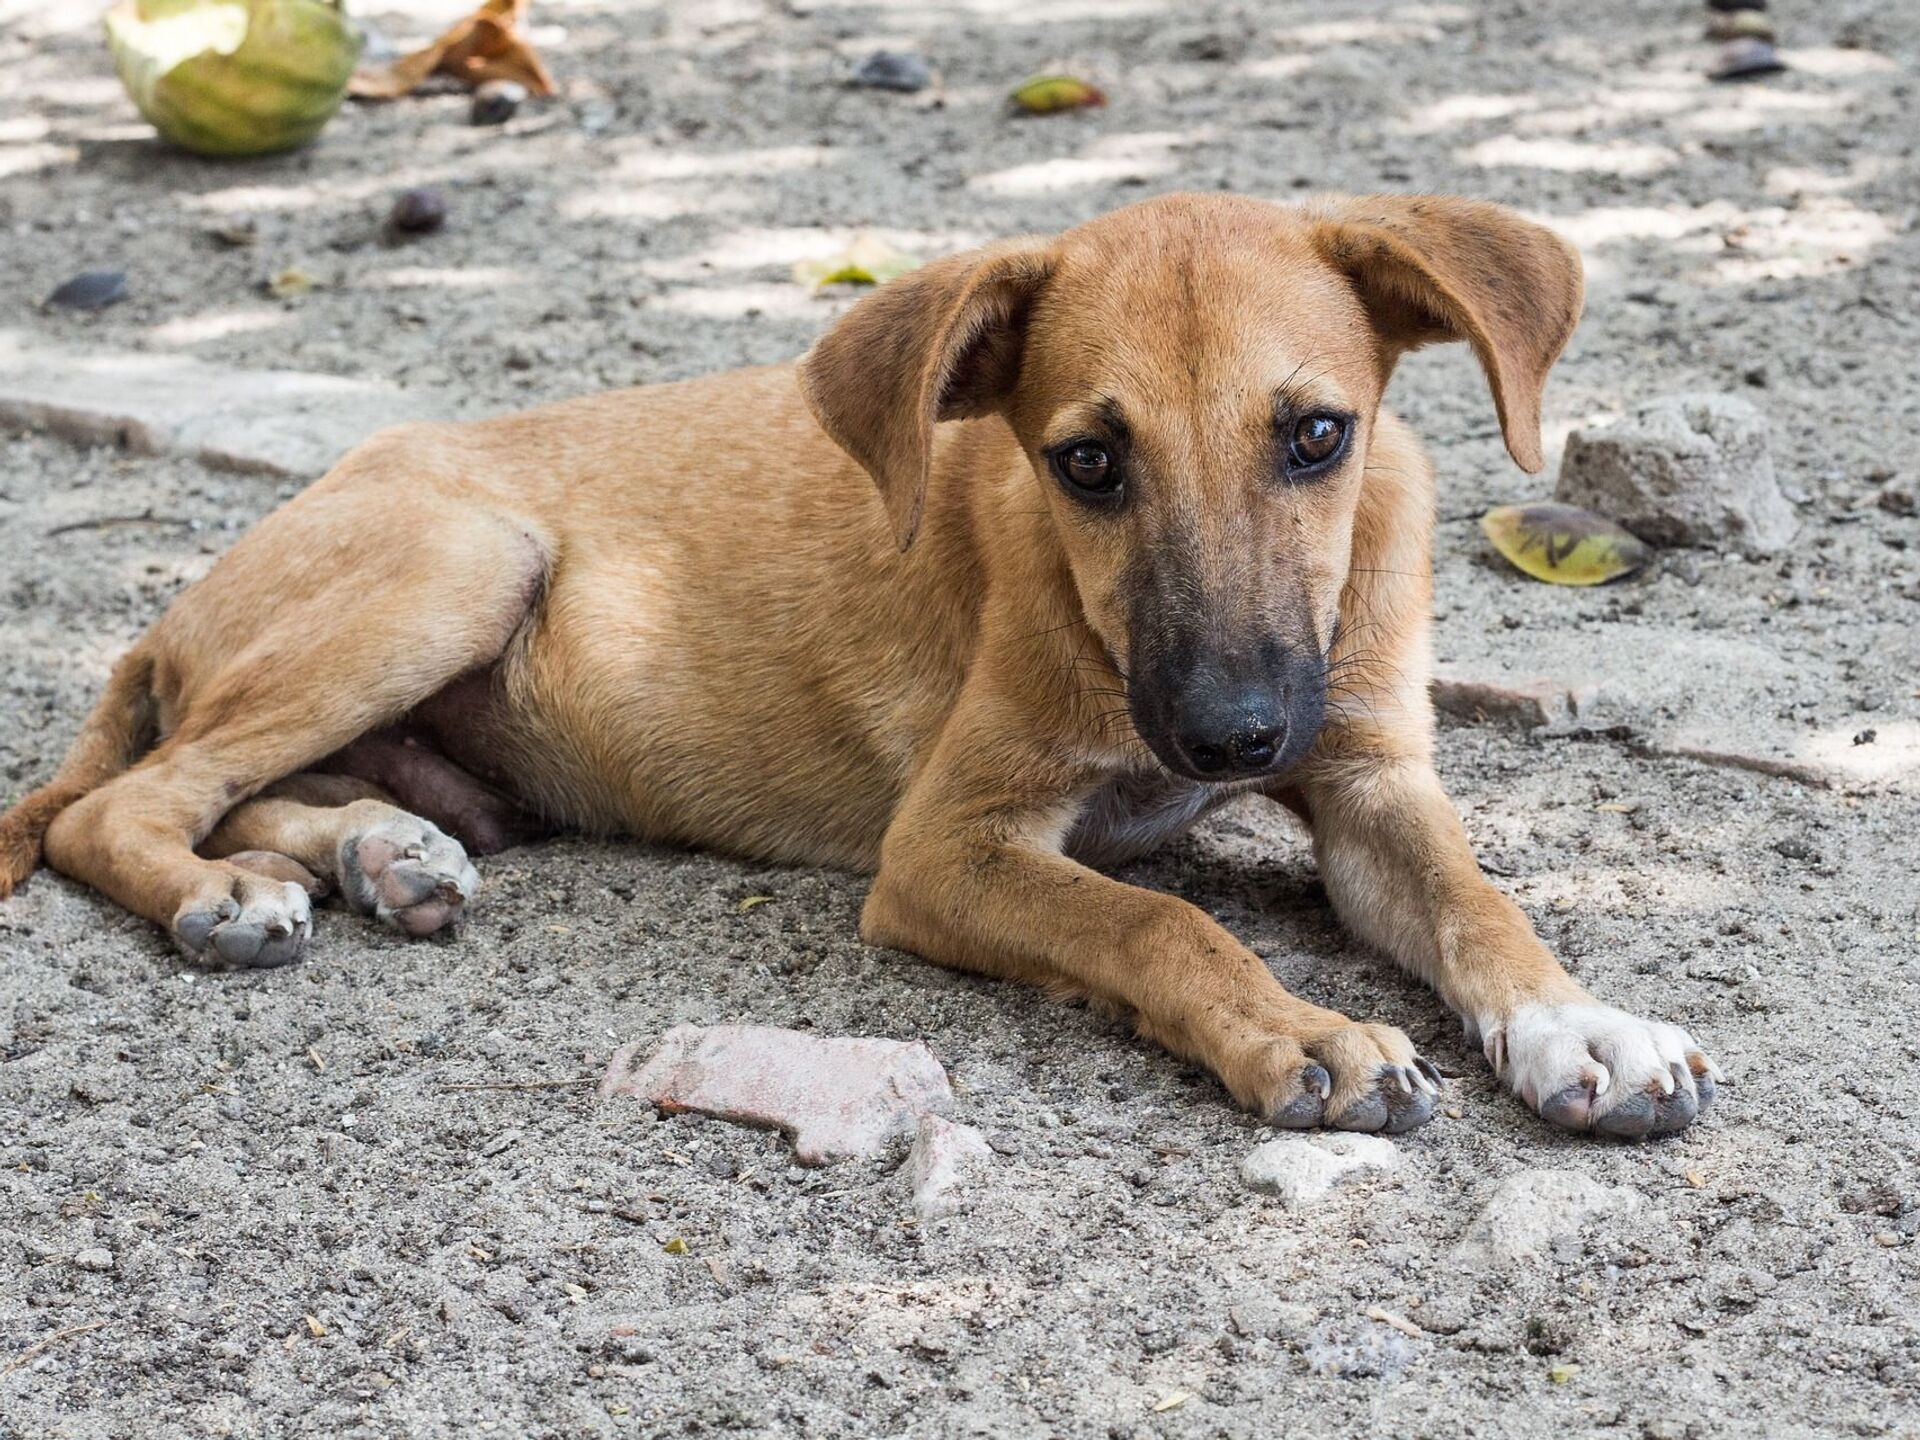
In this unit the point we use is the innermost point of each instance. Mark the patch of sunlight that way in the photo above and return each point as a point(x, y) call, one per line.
point(1791, 180)
point(445, 277)
point(742, 302)
point(1019, 12)
point(755, 249)
point(1892, 754)
point(288, 197)
point(1752, 109)
point(1046, 177)
point(31, 159)
point(26, 127)
point(1817, 238)
point(1142, 155)
point(1608, 109)
point(1278, 67)
point(1606, 224)
point(1831, 62)
point(653, 164)
point(1457, 110)
point(71, 93)
point(651, 205)
point(1320, 34)
point(217, 325)
point(1602, 157)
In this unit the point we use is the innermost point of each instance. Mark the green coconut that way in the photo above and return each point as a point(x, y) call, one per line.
point(234, 77)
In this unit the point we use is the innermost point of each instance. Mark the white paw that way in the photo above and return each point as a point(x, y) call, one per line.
point(257, 923)
point(1592, 1067)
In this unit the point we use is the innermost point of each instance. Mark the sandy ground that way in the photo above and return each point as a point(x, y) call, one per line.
point(322, 1222)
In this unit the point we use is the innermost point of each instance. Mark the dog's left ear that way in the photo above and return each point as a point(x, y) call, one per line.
point(1431, 268)
point(939, 343)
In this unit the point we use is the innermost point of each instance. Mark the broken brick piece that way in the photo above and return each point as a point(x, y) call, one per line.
point(833, 1097)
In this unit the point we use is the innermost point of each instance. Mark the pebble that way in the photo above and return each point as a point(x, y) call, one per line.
point(96, 1258)
point(1692, 469)
point(944, 1160)
point(893, 70)
point(1300, 1169)
point(1529, 1212)
point(91, 290)
point(418, 212)
point(497, 101)
point(1261, 1317)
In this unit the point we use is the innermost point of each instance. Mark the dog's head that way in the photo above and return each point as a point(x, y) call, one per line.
point(1195, 381)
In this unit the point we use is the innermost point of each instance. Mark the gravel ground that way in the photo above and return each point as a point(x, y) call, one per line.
point(371, 1196)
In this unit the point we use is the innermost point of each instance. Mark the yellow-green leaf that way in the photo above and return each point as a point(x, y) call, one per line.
point(751, 902)
point(1047, 94)
point(1562, 544)
point(675, 1246)
point(867, 261)
point(1560, 1374)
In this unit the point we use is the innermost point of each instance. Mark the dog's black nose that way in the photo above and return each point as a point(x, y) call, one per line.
point(1247, 749)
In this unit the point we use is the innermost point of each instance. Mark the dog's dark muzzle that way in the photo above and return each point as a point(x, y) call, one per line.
point(1229, 715)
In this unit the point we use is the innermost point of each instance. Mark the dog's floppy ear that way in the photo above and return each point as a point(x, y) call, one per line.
point(941, 342)
point(1432, 268)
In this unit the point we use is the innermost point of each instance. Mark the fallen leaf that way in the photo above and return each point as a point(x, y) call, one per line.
point(1171, 1402)
point(675, 1246)
point(1696, 1179)
point(284, 285)
point(751, 901)
point(1560, 1374)
point(1049, 94)
point(1563, 544)
point(1396, 1322)
point(867, 261)
point(315, 1328)
point(485, 46)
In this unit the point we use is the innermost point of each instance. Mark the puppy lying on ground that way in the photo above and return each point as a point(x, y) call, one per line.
point(1144, 540)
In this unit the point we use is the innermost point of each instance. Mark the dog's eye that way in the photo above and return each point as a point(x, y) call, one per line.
point(1086, 465)
point(1316, 440)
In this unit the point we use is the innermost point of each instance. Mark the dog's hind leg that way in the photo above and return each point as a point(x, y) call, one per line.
point(385, 862)
point(336, 615)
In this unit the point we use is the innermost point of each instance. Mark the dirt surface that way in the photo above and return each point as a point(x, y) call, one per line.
point(312, 1202)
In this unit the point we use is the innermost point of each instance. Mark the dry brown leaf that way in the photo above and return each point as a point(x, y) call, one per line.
point(485, 46)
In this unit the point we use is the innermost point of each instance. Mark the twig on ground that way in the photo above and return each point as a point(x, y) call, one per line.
point(49, 1342)
point(101, 522)
point(524, 1084)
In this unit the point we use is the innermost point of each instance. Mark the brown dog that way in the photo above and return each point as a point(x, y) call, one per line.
point(1170, 550)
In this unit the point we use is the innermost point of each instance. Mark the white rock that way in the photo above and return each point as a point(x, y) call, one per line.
point(1683, 470)
point(97, 1257)
point(944, 1160)
point(1527, 1212)
point(1302, 1168)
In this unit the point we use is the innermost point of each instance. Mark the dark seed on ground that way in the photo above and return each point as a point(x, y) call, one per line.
point(892, 70)
point(418, 212)
point(495, 102)
point(91, 290)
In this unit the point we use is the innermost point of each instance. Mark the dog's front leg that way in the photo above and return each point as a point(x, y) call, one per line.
point(972, 876)
point(1397, 865)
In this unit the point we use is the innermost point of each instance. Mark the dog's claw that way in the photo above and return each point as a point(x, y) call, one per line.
point(1307, 1109)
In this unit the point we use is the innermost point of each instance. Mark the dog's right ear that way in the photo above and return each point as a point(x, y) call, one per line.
point(942, 342)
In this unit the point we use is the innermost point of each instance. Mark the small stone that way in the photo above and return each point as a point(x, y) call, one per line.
point(1525, 703)
point(893, 70)
point(834, 1097)
point(1528, 1212)
point(1683, 470)
point(721, 1167)
point(497, 101)
point(1793, 848)
point(418, 212)
point(945, 1158)
point(1299, 1169)
point(1897, 500)
point(91, 290)
point(96, 1258)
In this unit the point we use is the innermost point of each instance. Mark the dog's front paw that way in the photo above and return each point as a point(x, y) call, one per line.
point(1355, 1077)
point(1592, 1067)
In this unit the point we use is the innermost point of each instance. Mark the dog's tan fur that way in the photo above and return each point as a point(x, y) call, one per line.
point(679, 613)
